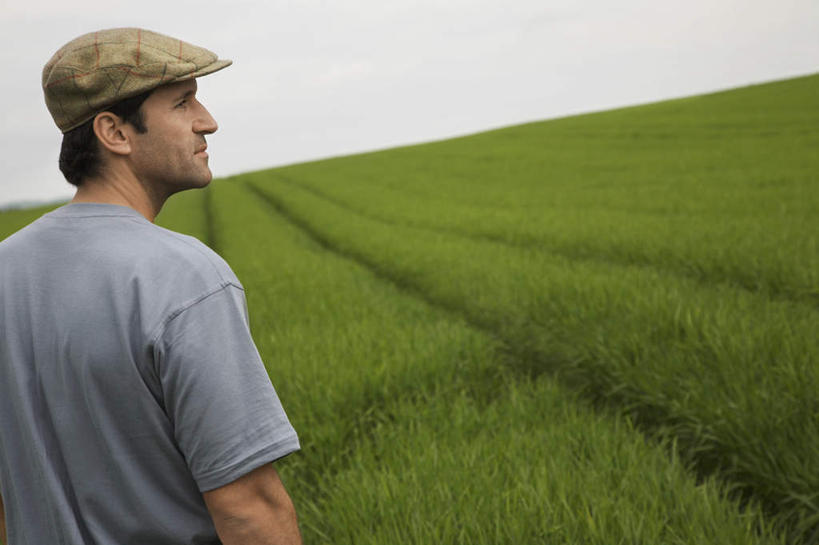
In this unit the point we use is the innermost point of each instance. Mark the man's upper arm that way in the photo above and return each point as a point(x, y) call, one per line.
point(226, 415)
point(255, 508)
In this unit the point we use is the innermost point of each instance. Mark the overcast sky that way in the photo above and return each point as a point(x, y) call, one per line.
point(314, 79)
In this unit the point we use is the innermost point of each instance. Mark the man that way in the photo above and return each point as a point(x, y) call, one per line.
point(134, 407)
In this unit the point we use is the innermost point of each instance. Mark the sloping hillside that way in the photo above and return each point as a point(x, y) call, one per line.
point(660, 259)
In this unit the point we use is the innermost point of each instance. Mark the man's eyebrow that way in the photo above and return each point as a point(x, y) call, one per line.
point(186, 94)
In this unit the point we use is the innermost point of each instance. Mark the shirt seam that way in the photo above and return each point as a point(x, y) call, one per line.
point(163, 326)
point(272, 448)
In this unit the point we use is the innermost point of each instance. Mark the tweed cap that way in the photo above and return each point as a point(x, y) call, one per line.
point(99, 69)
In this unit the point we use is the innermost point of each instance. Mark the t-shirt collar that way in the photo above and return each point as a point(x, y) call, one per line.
point(92, 209)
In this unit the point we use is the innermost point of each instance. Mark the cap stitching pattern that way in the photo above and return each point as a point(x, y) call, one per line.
point(97, 49)
point(165, 51)
point(123, 68)
point(121, 83)
point(139, 43)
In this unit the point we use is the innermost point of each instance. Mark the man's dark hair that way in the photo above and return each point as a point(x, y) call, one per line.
point(80, 152)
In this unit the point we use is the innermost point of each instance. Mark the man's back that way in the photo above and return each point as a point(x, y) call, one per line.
point(129, 383)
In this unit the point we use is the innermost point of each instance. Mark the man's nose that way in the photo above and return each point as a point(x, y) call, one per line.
point(204, 123)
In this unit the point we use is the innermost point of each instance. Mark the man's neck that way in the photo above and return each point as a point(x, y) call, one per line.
point(116, 190)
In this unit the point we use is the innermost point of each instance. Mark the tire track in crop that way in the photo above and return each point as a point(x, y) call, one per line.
point(590, 379)
point(526, 360)
point(769, 290)
point(377, 271)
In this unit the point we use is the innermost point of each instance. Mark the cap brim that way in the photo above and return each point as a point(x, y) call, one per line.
point(215, 66)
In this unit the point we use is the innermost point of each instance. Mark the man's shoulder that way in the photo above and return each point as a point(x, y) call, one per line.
point(166, 271)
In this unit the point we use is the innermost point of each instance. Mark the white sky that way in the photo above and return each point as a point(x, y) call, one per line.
point(315, 79)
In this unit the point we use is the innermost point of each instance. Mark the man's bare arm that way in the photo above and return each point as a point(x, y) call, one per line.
point(254, 510)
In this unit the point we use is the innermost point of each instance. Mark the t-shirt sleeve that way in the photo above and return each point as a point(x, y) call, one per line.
point(226, 415)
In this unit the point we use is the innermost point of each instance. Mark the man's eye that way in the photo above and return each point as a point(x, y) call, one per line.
point(182, 103)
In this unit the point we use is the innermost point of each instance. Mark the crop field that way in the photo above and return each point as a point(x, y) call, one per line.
point(599, 329)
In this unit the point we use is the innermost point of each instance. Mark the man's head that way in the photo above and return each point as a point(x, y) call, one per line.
point(105, 91)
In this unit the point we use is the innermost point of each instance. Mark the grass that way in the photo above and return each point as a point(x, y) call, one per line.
point(728, 373)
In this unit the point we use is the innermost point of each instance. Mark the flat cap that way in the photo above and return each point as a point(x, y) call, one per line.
point(99, 69)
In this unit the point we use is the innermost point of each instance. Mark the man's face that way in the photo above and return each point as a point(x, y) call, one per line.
point(170, 156)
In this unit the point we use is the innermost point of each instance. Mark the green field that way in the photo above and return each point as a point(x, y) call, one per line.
point(598, 329)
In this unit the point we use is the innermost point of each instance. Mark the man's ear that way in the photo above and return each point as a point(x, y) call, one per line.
point(111, 133)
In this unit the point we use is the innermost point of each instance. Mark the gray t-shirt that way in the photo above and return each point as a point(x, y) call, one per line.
point(129, 382)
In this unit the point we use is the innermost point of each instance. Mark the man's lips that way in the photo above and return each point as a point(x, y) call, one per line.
point(201, 150)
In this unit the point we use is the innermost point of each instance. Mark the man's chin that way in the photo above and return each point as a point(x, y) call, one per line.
point(202, 184)
point(194, 183)
point(205, 180)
